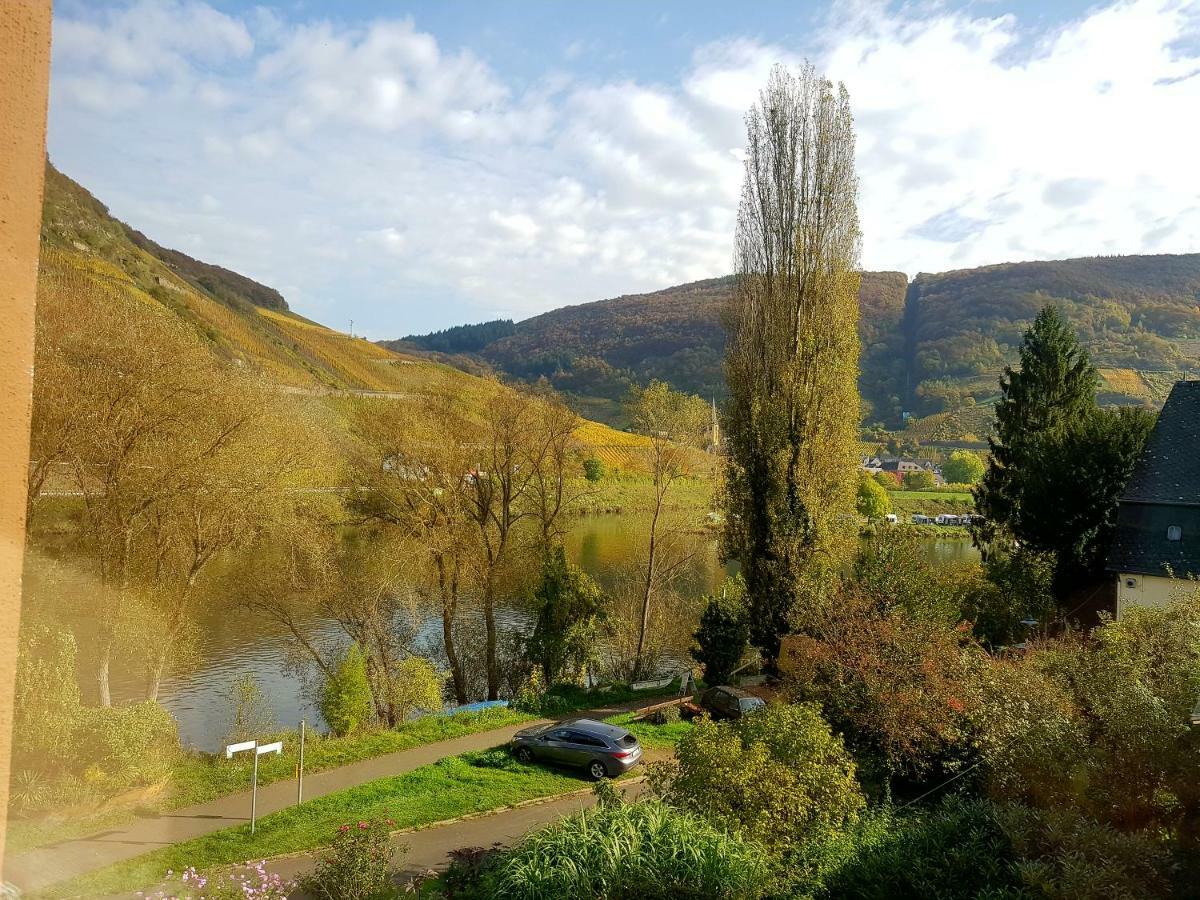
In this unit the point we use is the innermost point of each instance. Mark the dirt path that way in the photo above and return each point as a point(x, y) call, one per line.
point(44, 866)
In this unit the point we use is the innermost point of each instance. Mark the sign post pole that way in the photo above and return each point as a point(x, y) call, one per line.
point(300, 769)
point(254, 792)
point(259, 750)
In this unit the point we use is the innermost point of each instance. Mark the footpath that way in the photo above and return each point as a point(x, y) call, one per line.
point(44, 866)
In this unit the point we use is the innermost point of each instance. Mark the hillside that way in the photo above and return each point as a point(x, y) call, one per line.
point(91, 254)
point(934, 347)
point(595, 351)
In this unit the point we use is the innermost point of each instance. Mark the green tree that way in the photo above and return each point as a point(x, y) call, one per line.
point(415, 684)
point(674, 422)
point(593, 468)
point(779, 776)
point(724, 634)
point(919, 481)
point(963, 467)
point(346, 697)
point(569, 607)
point(873, 500)
point(1070, 491)
point(1053, 385)
point(792, 354)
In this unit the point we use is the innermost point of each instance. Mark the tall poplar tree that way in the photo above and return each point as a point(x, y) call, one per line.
point(792, 357)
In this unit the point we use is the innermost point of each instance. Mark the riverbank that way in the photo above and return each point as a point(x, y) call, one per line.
point(624, 493)
point(471, 782)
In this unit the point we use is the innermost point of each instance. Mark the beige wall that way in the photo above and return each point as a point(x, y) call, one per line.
point(24, 84)
point(1148, 590)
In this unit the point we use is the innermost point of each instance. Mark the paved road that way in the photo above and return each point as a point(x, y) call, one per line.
point(420, 851)
point(48, 865)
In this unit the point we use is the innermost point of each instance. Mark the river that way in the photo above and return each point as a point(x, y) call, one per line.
point(234, 642)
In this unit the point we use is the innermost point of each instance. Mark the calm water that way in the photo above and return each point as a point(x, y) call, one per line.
point(234, 642)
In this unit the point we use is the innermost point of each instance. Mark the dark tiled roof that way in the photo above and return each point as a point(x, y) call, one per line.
point(1140, 543)
point(1169, 470)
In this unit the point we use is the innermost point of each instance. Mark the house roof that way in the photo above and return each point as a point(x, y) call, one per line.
point(1164, 491)
point(1169, 469)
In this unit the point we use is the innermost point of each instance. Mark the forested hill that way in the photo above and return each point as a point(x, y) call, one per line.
point(595, 351)
point(935, 350)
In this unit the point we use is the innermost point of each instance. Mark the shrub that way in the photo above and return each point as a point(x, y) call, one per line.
point(779, 776)
point(467, 869)
point(667, 715)
point(46, 705)
point(123, 741)
point(724, 632)
point(358, 865)
point(415, 684)
point(593, 468)
point(957, 849)
point(918, 481)
point(639, 851)
point(346, 698)
point(250, 715)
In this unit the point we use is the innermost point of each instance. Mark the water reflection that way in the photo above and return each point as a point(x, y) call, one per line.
point(235, 642)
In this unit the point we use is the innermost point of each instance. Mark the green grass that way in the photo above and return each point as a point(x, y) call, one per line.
point(200, 777)
point(931, 495)
point(455, 786)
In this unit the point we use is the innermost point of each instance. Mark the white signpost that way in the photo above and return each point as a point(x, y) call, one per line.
point(259, 750)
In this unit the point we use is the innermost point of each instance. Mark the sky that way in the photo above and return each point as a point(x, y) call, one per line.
point(412, 166)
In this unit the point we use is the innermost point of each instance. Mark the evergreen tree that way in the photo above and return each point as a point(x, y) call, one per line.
point(792, 356)
point(724, 633)
point(569, 606)
point(1054, 385)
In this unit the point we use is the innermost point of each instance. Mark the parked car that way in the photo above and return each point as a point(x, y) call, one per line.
point(724, 702)
point(602, 750)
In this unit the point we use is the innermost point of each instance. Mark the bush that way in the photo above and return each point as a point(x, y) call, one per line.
point(957, 849)
point(415, 684)
point(918, 481)
point(724, 632)
point(358, 865)
point(46, 705)
point(639, 851)
point(250, 715)
point(593, 468)
point(667, 715)
point(139, 740)
point(346, 699)
point(779, 776)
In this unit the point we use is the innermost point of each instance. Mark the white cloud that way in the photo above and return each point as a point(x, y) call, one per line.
point(411, 187)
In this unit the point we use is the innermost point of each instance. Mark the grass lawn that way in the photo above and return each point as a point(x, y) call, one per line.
point(471, 782)
point(964, 496)
point(198, 777)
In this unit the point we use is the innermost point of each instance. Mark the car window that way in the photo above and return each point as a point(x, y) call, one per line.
point(578, 737)
point(558, 735)
point(749, 703)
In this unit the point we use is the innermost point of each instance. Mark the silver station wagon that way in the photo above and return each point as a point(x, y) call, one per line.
point(602, 750)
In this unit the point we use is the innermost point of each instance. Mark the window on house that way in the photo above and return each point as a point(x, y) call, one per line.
point(1174, 533)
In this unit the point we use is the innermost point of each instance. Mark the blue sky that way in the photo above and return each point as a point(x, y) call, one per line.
point(416, 165)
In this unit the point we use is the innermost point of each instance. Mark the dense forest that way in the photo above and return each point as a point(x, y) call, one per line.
point(933, 347)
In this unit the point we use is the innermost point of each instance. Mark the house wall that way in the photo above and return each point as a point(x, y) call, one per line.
point(24, 86)
point(1148, 590)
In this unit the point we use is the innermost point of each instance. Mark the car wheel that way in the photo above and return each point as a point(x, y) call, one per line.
point(524, 755)
point(597, 770)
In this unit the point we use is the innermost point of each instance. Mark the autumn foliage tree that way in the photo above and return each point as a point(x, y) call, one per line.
point(792, 356)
